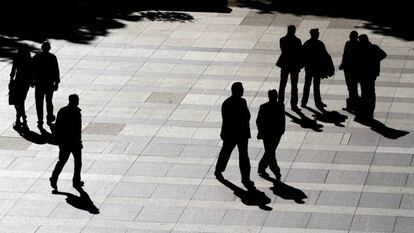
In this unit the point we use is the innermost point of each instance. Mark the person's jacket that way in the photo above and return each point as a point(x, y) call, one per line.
point(236, 117)
point(46, 70)
point(271, 120)
point(22, 70)
point(370, 60)
point(68, 126)
point(318, 62)
point(291, 56)
point(350, 57)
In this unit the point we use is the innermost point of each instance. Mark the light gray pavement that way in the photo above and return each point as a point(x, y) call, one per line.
point(150, 95)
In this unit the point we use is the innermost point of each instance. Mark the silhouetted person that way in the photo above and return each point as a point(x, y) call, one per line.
point(68, 129)
point(349, 65)
point(20, 81)
point(290, 63)
point(370, 58)
point(318, 64)
point(46, 76)
point(235, 131)
point(271, 126)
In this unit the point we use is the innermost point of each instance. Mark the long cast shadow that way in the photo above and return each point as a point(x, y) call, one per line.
point(82, 202)
point(384, 130)
point(285, 191)
point(44, 138)
point(251, 197)
point(305, 122)
point(331, 117)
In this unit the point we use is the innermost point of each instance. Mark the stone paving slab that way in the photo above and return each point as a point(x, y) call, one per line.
point(150, 95)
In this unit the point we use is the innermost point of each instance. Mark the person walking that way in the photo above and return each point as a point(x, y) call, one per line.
point(271, 126)
point(318, 65)
point(235, 131)
point(68, 130)
point(47, 78)
point(290, 63)
point(20, 81)
point(349, 65)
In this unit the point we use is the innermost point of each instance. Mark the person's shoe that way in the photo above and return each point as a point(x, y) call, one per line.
point(303, 105)
point(78, 184)
point(219, 175)
point(320, 104)
point(50, 119)
point(278, 177)
point(17, 126)
point(53, 183)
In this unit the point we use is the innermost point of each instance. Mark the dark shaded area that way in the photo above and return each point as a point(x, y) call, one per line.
point(251, 197)
point(305, 122)
point(82, 202)
point(382, 129)
point(383, 17)
point(331, 117)
point(43, 138)
point(285, 191)
point(81, 21)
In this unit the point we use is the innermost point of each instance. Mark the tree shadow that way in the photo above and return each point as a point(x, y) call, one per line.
point(252, 197)
point(382, 129)
point(376, 16)
point(285, 191)
point(82, 202)
point(331, 117)
point(305, 122)
point(82, 21)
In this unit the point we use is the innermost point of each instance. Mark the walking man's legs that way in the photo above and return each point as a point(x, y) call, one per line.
point(282, 85)
point(39, 97)
point(294, 76)
point(244, 163)
point(64, 153)
point(224, 157)
point(77, 156)
point(49, 107)
point(306, 88)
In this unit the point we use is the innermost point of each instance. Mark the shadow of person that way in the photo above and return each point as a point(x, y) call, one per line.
point(285, 191)
point(43, 138)
point(331, 117)
point(251, 197)
point(305, 122)
point(382, 129)
point(288, 192)
point(82, 202)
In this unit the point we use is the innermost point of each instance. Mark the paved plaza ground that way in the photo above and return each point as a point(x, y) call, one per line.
point(150, 95)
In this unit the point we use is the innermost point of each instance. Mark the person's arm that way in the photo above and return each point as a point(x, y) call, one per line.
point(56, 74)
point(341, 66)
point(13, 70)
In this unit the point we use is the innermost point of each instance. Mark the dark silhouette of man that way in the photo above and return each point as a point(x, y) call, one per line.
point(370, 58)
point(46, 80)
point(318, 65)
point(349, 65)
point(235, 131)
point(290, 63)
point(271, 126)
point(68, 129)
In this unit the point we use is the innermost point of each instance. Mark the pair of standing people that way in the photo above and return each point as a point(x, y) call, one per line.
point(361, 65)
point(41, 72)
point(312, 56)
point(235, 131)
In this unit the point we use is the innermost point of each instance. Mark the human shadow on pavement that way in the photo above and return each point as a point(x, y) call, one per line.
point(285, 191)
point(43, 138)
point(251, 197)
point(382, 129)
point(82, 202)
point(305, 122)
point(330, 117)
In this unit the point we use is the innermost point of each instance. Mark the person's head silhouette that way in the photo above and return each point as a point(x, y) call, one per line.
point(45, 46)
point(237, 89)
point(314, 32)
point(291, 30)
point(272, 94)
point(353, 36)
point(363, 39)
point(73, 100)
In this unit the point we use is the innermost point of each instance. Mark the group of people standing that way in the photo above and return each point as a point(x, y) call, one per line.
point(42, 72)
point(361, 65)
